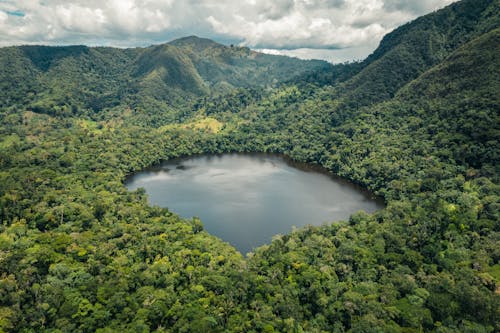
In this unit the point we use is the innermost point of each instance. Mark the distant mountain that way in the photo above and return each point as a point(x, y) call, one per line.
point(65, 80)
point(79, 79)
point(166, 67)
point(241, 67)
point(200, 66)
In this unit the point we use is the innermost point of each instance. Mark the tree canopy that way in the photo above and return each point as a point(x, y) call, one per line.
point(417, 122)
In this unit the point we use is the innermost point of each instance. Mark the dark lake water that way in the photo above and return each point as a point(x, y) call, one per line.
point(245, 199)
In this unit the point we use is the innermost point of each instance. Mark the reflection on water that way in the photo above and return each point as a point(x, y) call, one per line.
point(245, 199)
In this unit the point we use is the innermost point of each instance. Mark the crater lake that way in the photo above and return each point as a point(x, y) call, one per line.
point(245, 199)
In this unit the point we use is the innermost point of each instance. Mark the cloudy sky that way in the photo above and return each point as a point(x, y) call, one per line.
point(335, 30)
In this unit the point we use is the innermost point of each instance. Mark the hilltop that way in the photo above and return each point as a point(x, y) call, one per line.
point(81, 80)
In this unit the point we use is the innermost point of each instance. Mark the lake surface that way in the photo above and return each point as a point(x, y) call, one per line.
point(245, 199)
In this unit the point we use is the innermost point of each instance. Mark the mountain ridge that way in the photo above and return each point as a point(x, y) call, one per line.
point(443, 32)
point(169, 74)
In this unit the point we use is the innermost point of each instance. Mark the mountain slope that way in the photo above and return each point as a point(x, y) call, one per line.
point(66, 80)
point(18, 77)
point(222, 66)
point(410, 50)
point(172, 67)
point(84, 80)
point(462, 95)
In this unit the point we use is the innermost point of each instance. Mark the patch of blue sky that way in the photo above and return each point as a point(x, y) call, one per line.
point(17, 13)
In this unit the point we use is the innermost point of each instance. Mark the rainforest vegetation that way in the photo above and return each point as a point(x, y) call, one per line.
point(417, 122)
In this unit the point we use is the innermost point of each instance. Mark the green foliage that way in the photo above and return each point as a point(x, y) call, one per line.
point(157, 85)
point(417, 46)
point(79, 253)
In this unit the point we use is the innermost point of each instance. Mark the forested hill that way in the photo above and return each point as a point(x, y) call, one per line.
point(412, 49)
point(417, 46)
point(80, 80)
point(417, 122)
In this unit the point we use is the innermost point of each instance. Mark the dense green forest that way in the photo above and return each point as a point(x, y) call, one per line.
point(417, 122)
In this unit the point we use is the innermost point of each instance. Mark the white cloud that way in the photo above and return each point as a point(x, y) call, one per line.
point(76, 18)
point(3, 17)
point(331, 55)
point(279, 24)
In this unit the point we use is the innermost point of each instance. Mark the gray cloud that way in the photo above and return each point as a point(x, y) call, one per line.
point(324, 3)
point(415, 7)
point(274, 10)
point(280, 24)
